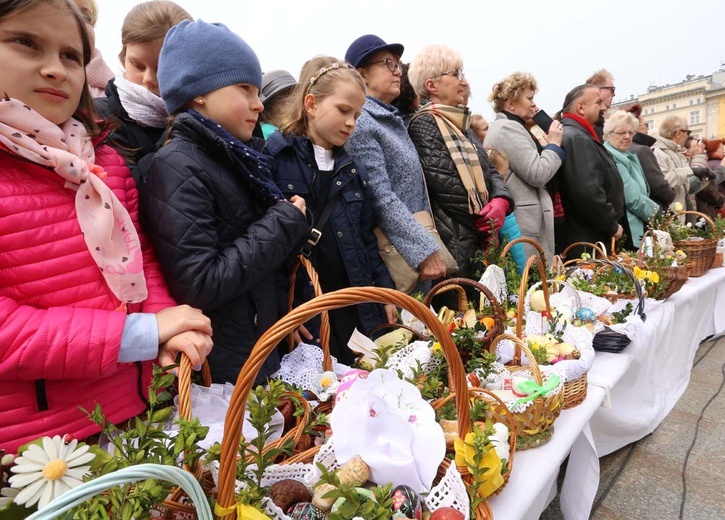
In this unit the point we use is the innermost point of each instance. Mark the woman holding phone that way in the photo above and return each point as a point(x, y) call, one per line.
point(532, 166)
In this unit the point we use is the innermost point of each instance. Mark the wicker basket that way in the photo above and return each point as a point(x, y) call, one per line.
point(609, 340)
point(673, 277)
point(575, 391)
point(537, 419)
point(701, 254)
point(456, 284)
point(267, 343)
point(598, 251)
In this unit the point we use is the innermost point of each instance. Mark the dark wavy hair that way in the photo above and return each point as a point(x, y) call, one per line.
point(407, 101)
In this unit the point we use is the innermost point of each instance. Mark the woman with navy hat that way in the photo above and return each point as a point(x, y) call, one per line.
point(381, 143)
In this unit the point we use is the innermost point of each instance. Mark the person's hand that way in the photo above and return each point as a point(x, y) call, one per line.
point(299, 203)
point(703, 173)
point(495, 210)
point(196, 345)
point(556, 133)
point(697, 147)
point(619, 232)
point(301, 335)
point(391, 313)
point(175, 320)
point(432, 267)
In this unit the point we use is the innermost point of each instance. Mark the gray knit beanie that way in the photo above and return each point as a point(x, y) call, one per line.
point(199, 57)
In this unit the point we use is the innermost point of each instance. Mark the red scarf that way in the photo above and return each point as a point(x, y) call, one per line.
point(586, 124)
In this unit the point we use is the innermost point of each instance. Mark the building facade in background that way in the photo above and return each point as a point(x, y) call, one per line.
point(699, 99)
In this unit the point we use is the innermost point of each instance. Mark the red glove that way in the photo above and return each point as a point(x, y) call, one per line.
point(495, 210)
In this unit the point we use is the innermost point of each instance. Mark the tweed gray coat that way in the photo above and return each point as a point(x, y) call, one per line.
point(381, 143)
point(529, 173)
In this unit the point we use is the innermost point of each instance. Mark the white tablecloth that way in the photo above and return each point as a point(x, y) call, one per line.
point(533, 478)
point(661, 360)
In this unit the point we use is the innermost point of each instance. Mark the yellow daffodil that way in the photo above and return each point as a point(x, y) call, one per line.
point(464, 458)
point(653, 277)
point(639, 274)
point(437, 347)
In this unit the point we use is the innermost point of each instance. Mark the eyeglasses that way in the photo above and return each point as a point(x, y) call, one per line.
point(613, 89)
point(624, 132)
point(392, 65)
point(688, 132)
point(458, 73)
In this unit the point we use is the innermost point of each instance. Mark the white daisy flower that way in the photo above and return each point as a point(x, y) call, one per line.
point(44, 473)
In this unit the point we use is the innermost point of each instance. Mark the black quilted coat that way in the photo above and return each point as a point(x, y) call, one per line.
point(448, 197)
point(216, 251)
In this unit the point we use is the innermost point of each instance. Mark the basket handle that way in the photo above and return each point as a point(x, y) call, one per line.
point(637, 287)
point(706, 217)
point(520, 345)
point(577, 298)
point(522, 296)
point(445, 286)
point(595, 249)
point(324, 319)
point(524, 240)
point(267, 343)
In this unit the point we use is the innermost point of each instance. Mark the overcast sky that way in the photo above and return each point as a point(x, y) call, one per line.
point(642, 43)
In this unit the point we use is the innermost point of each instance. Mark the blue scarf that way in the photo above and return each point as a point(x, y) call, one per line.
point(253, 167)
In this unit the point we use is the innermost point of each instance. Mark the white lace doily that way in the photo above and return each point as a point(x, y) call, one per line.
point(494, 279)
point(413, 322)
point(495, 380)
point(303, 365)
point(409, 357)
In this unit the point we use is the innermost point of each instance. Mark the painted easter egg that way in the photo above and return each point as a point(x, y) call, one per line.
point(406, 503)
point(305, 511)
point(586, 315)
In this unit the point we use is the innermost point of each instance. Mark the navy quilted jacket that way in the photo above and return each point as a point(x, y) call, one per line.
point(216, 252)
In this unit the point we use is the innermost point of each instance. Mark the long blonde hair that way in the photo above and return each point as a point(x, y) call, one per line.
point(317, 77)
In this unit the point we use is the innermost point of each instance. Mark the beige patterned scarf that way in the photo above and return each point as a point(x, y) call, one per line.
point(452, 124)
point(107, 228)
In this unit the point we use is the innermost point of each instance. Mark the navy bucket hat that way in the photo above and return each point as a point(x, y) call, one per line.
point(365, 46)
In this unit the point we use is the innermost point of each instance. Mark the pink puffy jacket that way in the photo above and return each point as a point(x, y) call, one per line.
point(59, 331)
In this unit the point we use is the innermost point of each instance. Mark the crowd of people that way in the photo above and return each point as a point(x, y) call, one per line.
point(161, 211)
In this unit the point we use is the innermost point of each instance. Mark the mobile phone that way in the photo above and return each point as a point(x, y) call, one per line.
point(542, 119)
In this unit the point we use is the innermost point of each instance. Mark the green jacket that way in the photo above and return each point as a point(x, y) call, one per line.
point(639, 207)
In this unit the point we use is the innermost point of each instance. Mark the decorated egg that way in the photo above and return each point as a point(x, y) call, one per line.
point(586, 315)
point(538, 301)
point(406, 503)
point(305, 511)
point(446, 513)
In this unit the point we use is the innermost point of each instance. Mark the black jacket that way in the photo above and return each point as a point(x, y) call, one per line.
point(660, 190)
point(352, 218)
point(591, 188)
point(131, 140)
point(448, 197)
point(217, 253)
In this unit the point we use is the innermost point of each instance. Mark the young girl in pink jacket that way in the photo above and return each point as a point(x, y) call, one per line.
point(83, 306)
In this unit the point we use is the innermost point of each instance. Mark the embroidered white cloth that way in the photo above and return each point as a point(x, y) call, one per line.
point(402, 441)
point(303, 365)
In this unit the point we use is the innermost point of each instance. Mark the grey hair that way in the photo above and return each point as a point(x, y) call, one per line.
point(620, 118)
point(430, 63)
point(671, 125)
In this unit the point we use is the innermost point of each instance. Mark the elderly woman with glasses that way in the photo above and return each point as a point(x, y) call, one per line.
point(618, 132)
point(468, 197)
point(381, 143)
point(669, 151)
point(532, 165)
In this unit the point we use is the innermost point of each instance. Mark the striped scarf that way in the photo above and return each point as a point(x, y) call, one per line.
point(452, 123)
